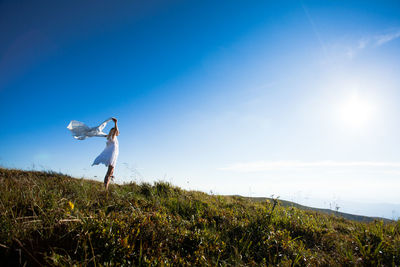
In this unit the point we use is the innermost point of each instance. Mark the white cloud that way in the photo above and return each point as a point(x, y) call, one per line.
point(363, 43)
point(369, 42)
point(385, 38)
point(258, 166)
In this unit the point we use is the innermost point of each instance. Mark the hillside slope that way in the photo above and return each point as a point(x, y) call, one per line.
point(348, 216)
point(53, 219)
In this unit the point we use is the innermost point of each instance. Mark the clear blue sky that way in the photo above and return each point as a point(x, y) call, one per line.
point(292, 98)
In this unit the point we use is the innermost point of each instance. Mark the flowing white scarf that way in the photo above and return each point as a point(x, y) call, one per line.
point(81, 131)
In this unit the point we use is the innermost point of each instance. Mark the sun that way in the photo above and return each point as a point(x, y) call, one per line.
point(356, 112)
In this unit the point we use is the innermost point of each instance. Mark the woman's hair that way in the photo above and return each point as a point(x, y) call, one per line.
point(111, 134)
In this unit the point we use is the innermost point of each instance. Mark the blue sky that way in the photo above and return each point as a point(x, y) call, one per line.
point(291, 98)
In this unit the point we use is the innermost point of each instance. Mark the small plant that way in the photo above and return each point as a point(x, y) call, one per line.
point(162, 188)
point(146, 189)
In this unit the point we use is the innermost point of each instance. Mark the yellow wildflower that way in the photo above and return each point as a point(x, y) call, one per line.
point(124, 242)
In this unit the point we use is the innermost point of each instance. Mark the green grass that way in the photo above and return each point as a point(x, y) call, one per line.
point(349, 216)
point(52, 219)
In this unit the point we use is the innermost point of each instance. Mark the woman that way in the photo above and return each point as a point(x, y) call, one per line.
point(110, 154)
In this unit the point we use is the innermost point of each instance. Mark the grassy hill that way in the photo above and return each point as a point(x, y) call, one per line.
point(348, 216)
point(52, 219)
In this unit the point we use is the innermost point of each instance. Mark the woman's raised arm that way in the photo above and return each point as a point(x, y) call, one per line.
point(116, 126)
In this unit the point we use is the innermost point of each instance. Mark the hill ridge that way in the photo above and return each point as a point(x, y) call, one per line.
point(349, 216)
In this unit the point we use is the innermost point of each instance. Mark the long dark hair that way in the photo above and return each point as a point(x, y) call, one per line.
point(112, 133)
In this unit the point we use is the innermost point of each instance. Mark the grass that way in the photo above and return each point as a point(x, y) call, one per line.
point(51, 219)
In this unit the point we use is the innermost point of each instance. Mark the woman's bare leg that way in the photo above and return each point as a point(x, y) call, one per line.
point(109, 173)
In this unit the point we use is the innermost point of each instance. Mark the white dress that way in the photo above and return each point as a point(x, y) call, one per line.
point(109, 155)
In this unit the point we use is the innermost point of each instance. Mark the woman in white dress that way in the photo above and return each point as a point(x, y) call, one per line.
point(110, 154)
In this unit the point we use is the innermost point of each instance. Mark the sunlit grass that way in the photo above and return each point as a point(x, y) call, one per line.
point(52, 219)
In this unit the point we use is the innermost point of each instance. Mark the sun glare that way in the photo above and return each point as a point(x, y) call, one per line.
point(356, 111)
